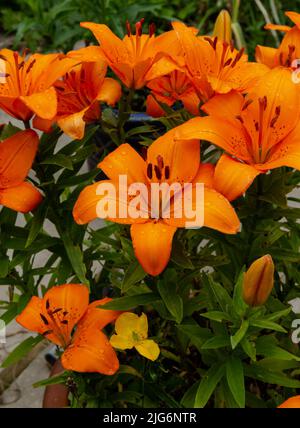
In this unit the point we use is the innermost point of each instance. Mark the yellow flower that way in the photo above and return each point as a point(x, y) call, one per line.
point(132, 332)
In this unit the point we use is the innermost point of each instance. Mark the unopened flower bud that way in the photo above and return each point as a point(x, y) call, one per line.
point(222, 28)
point(259, 281)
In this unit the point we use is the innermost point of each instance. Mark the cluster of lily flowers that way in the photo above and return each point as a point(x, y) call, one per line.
point(248, 109)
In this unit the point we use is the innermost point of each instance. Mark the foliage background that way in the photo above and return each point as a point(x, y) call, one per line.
point(215, 351)
point(48, 25)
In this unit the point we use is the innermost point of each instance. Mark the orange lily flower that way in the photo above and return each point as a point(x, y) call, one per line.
point(259, 133)
point(26, 85)
point(291, 403)
point(168, 89)
point(289, 49)
point(79, 94)
point(61, 309)
point(16, 156)
point(214, 66)
point(137, 58)
point(167, 162)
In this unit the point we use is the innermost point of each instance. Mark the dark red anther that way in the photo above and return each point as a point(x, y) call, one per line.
point(238, 117)
point(152, 29)
point(210, 41)
point(215, 42)
point(56, 311)
point(228, 62)
point(64, 322)
point(47, 304)
point(149, 171)
point(30, 65)
point(157, 172)
point(139, 27)
point(263, 102)
point(160, 162)
point(167, 172)
point(128, 28)
point(275, 118)
point(247, 103)
point(44, 319)
point(47, 332)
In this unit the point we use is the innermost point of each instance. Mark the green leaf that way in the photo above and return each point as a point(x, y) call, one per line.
point(197, 335)
point(135, 273)
point(208, 384)
point(132, 397)
point(238, 302)
point(238, 336)
point(173, 302)
point(4, 266)
point(53, 380)
point(9, 130)
point(188, 400)
point(261, 373)
point(249, 348)
point(235, 379)
point(269, 325)
point(21, 350)
point(59, 160)
point(216, 342)
point(279, 314)
point(221, 296)
point(130, 302)
point(128, 370)
point(37, 222)
point(75, 256)
point(273, 351)
point(216, 316)
point(180, 257)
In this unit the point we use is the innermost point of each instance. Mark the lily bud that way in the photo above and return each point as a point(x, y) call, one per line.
point(259, 281)
point(222, 28)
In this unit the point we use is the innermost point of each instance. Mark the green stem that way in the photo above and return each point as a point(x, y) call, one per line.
point(124, 114)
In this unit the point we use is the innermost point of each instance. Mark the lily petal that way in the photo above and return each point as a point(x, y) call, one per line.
point(227, 134)
point(218, 213)
point(225, 105)
point(72, 300)
point(97, 317)
point(90, 351)
point(86, 208)
point(124, 161)
point(152, 243)
point(110, 91)
point(172, 153)
point(43, 104)
point(16, 156)
point(73, 125)
point(22, 198)
point(266, 55)
point(294, 16)
point(232, 178)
